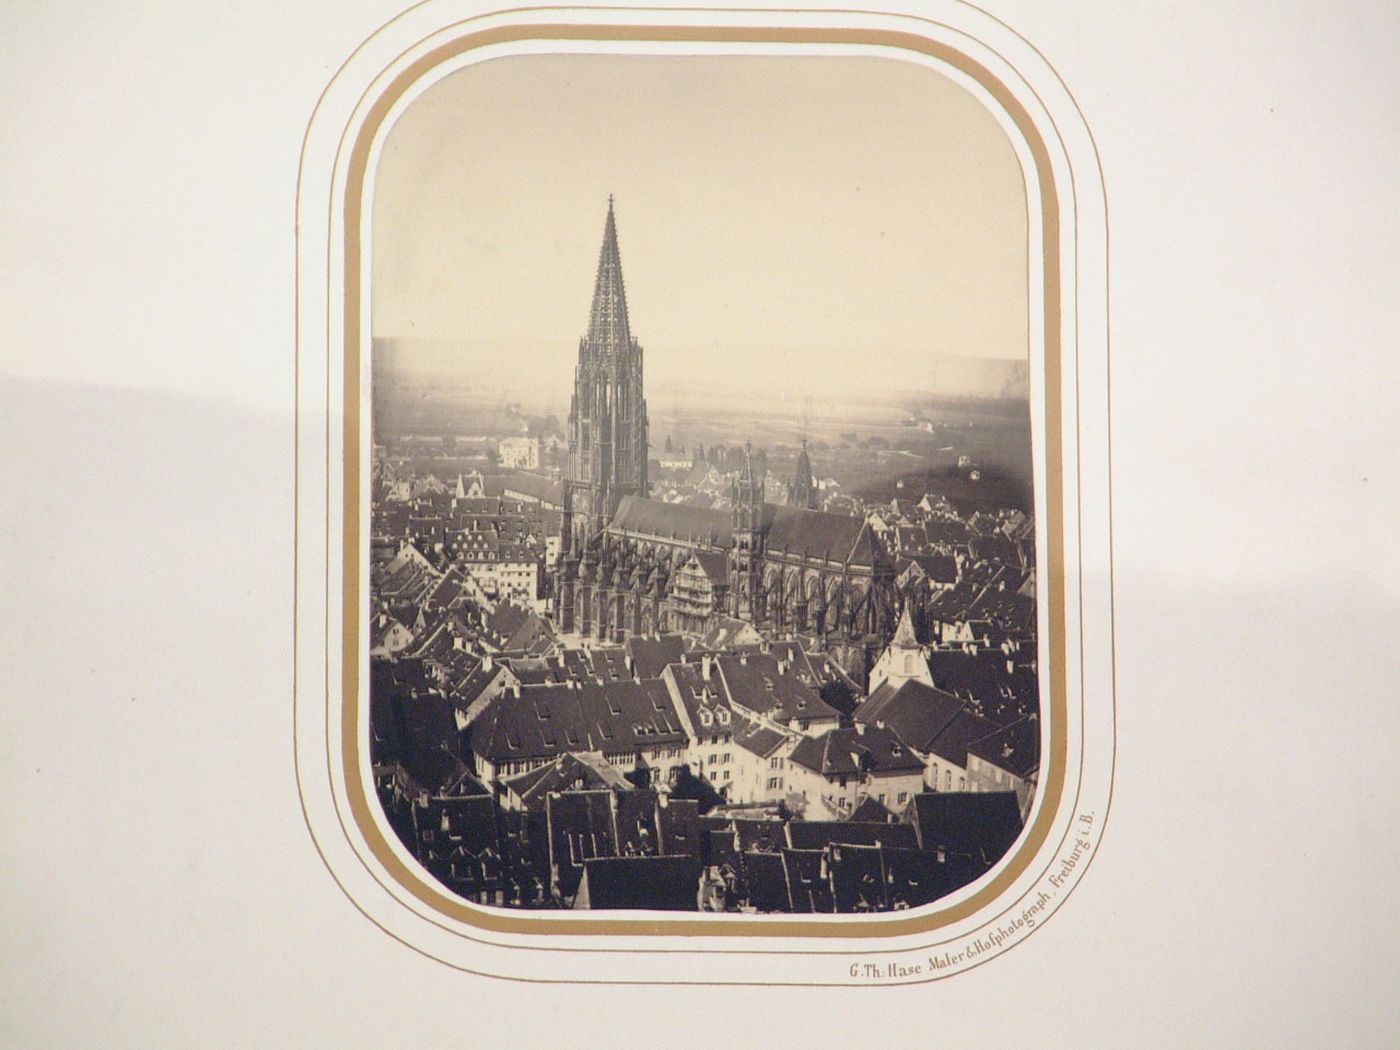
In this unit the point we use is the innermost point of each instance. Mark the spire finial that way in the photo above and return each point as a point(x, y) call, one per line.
point(610, 208)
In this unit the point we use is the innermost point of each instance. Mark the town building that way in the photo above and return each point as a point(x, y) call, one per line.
point(518, 453)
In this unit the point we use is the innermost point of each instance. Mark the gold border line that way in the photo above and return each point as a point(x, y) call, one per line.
point(503, 921)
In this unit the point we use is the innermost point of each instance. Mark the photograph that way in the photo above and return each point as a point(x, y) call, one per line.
point(702, 533)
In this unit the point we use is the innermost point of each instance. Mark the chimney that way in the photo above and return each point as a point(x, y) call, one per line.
point(706, 665)
point(488, 664)
point(515, 690)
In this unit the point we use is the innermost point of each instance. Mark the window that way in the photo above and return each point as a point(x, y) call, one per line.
point(903, 797)
point(948, 780)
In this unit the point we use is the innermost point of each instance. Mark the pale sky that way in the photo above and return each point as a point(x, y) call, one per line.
point(837, 214)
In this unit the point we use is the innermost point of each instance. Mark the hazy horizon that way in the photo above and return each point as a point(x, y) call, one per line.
point(810, 225)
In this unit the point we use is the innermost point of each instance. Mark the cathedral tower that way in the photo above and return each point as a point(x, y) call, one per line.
point(746, 569)
point(608, 412)
point(803, 490)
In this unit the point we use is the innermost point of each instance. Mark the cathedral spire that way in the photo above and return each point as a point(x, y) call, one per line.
point(608, 330)
point(803, 490)
point(608, 412)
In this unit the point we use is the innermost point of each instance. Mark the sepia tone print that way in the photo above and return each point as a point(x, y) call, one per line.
point(744, 621)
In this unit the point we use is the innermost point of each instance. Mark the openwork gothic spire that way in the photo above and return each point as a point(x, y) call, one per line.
point(609, 332)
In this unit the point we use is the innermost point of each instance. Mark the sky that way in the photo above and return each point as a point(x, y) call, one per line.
point(815, 222)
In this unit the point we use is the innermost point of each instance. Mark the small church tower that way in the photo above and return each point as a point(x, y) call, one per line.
point(903, 660)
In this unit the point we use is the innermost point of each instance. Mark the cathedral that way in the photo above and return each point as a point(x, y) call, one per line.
point(629, 564)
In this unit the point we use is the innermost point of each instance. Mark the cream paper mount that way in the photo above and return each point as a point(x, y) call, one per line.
point(1067, 381)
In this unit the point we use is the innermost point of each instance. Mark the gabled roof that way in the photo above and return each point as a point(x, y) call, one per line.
point(982, 825)
point(768, 836)
point(915, 711)
point(1002, 695)
point(871, 810)
point(714, 564)
point(940, 568)
point(571, 771)
point(858, 878)
point(535, 486)
point(852, 751)
point(833, 537)
point(651, 655)
point(545, 721)
point(380, 627)
point(428, 742)
point(755, 682)
point(580, 825)
point(673, 521)
point(728, 633)
point(474, 684)
point(964, 729)
point(511, 628)
point(818, 834)
point(915, 877)
point(667, 883)
point(757, 739)
point(764, 880)
point(808, 887)
point(1014, 748)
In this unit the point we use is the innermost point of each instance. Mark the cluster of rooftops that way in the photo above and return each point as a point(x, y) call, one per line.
point(574, 834)
point(523, 740)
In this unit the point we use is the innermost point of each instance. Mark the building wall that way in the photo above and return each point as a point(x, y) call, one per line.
point(984, 776)
point(943, 775)
point(519, 453)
